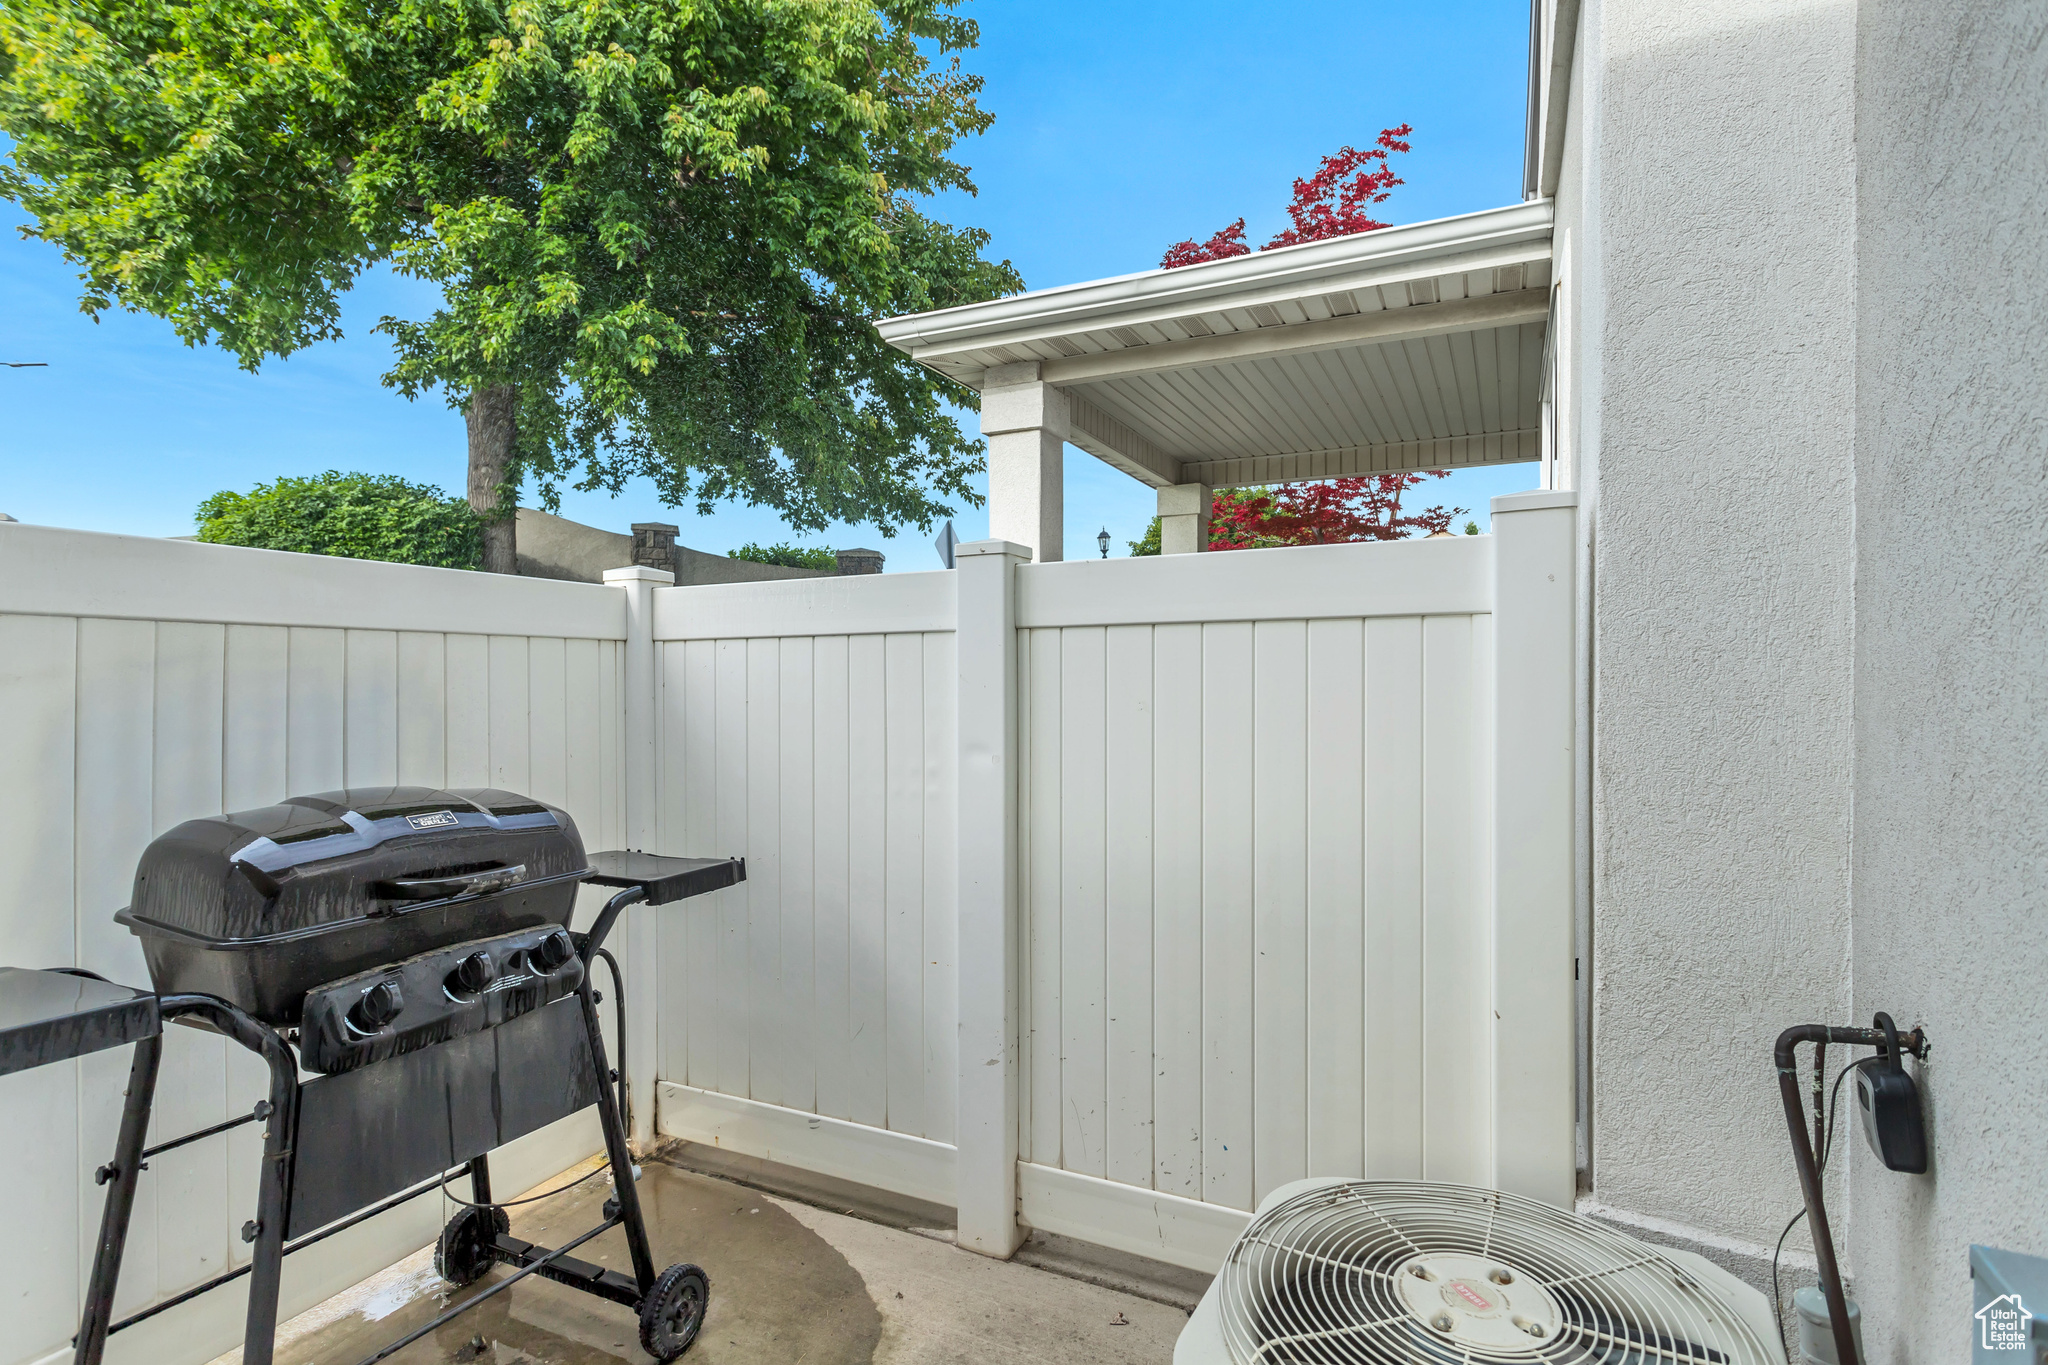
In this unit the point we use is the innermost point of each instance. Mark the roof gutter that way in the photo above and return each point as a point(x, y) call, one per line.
point(1227, 283)
point(1533, 116)
point(1549, 101)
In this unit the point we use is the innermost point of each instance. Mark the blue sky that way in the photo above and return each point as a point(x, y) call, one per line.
point(1120, 128)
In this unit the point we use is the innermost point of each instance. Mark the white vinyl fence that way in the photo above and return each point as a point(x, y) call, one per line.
point(1255, 876)
point(811, 729)
point(146, 682)
point(1177, 878)
point(1098, 897)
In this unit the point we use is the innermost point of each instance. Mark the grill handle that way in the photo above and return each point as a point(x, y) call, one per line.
point(441, 888)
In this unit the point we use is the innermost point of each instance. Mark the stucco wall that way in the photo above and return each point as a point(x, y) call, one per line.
point(1951, 683)
point(555, 547)
point(1807, 413)
point(1721, 135)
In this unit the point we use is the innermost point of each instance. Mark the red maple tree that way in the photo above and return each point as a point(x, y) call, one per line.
point(1330, 203)
point(1327, 512)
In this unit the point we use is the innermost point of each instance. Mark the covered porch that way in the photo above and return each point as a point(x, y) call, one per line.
point(1409, 348)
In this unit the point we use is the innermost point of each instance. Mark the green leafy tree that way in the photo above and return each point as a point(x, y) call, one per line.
point(788, 556)
point(357, 516)
point(660, 228)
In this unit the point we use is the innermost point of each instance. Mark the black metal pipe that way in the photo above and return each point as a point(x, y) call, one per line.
point(500, 1287)
point(616, 1152)
point(273, 1193)
point(1820, 1071)
point(127, 1164)
point(261, 1111)
point(1805, 1160)
point(619, 1014)
point(601, 927)
point(296, 1245)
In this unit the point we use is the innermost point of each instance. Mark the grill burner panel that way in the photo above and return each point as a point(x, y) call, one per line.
point(381, 1128)
point(435, 997)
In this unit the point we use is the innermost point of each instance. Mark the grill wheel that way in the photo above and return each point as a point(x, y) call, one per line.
point(464, 1252)
point(673, 1311)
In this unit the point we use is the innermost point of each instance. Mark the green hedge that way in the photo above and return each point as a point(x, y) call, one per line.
point(355, 516)
point(788, 556)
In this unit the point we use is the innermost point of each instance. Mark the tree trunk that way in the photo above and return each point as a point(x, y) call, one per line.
point(493, 416)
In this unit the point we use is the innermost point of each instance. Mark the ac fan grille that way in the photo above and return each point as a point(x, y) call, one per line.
point(1313, 1282)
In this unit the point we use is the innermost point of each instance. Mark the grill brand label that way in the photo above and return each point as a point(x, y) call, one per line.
point(440, 819)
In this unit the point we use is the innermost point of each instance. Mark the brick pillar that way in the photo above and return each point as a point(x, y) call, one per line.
point(654, 545)
point(860, 561)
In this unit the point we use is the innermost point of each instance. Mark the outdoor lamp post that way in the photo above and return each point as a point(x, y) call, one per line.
point(1103, 541)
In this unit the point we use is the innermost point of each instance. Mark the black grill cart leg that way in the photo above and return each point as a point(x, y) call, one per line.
point(273, 1205)
point(274, 1190)
point(615, 1148)
point(123, 1174)
point(480, 1179)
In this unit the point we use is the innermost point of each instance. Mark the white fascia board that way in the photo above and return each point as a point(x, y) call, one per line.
point(1469, 241)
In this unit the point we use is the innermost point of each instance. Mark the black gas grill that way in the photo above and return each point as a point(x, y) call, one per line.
point(412, 948)
point(260, 907)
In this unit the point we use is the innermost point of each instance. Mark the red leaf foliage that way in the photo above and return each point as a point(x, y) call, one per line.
point(1329, 512)
point(1228, 242)
point(1330, 203)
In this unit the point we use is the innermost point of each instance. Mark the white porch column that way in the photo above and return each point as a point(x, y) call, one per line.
point(637, 954)
point(1535, 1148)
point(1025, 421)
point(986, 1127)
point(1184, 518)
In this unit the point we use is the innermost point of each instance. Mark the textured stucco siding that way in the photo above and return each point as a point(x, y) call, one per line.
point(1720, 139)
point(555, 547)
point(1950, 871)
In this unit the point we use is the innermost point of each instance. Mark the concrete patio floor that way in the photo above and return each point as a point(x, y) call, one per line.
point(791, 1284)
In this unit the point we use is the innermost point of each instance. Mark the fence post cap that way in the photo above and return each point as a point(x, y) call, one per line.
point(992, 547)
point(1534, 501)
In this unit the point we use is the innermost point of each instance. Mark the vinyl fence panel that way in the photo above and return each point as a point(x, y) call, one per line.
point(150, 682)
point(1252, 922)
point(823, 984)
point(1231, 904)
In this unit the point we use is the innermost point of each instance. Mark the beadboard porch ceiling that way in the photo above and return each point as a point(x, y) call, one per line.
point(1413, 347)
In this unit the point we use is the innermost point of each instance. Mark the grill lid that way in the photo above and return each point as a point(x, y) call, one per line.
point(314, 861)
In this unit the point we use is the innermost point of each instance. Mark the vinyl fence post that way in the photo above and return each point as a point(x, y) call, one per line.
point(986, 1164)
point(638, 685)
point(1535, 1146)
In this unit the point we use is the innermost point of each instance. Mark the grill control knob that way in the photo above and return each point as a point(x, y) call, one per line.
point(473, 973)
point(552, 951)
point(379, 1006)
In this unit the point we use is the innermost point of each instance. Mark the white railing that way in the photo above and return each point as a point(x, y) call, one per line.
point(1094, 897)
point(146, 682)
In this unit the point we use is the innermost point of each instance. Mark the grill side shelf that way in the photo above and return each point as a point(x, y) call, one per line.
point(664, 878)
point(53, 1016)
